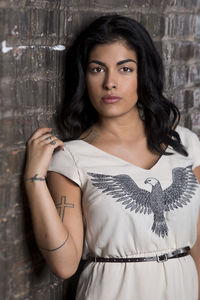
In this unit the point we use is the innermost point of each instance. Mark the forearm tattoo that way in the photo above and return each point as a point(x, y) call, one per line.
point(35, 178)
point(54, 249)
point(62, 206)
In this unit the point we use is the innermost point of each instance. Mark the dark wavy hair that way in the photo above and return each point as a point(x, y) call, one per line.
point(76, 113)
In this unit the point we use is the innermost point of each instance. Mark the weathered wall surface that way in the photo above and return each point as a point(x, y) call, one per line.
point(33, 36)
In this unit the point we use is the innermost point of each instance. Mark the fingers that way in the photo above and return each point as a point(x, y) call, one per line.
point(40, 149)
point(44, 136)
point(55, 143)
point(39, 132)
point(48, 139)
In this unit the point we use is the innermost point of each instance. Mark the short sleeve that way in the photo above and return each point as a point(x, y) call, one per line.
point(64, 163)
point(194, 150)
point(192, 144)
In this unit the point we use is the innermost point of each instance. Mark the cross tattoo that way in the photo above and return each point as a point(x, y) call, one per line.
point(62, 205)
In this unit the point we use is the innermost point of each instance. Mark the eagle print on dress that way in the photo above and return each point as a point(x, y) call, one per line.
point(124, 189)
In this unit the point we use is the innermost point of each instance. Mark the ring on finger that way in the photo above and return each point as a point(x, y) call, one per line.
point(52, 143)
point(48, 138)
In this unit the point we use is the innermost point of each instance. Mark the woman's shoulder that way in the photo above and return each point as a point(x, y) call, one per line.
point(86, 136)
point(186, 134)
point(191, 142)
point(73, 146)
point(71, 143)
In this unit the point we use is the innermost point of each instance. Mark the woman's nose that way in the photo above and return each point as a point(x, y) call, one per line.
point(110, 80)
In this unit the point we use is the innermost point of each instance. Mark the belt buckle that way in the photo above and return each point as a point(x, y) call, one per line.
point(161, 258)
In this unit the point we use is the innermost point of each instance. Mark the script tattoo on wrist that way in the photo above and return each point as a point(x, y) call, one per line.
point(35, 178)
point(62, 206)
point(54, 249)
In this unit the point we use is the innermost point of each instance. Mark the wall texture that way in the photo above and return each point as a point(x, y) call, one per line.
point(33, 38)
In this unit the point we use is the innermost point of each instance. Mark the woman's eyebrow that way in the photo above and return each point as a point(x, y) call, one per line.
point(118, 63)
point(97, 62)
point(125, 61)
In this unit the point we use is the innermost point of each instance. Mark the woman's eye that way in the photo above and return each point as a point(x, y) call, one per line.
point(96, 70)
point(126, 69)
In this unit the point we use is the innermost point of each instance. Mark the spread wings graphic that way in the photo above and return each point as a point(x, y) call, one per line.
point(124, 189)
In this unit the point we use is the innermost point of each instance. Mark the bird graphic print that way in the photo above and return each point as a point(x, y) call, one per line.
point(124, 189)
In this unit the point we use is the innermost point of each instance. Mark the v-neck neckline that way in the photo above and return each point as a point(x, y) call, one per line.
point(125, 161)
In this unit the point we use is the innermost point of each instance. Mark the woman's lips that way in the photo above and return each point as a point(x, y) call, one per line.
point(111, 99)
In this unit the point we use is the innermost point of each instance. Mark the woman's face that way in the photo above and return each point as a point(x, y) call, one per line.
point(111, 79)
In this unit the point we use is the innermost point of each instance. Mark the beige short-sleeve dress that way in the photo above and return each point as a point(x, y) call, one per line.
point(132, 212)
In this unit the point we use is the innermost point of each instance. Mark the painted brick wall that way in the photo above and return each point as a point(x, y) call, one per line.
point(33, 37)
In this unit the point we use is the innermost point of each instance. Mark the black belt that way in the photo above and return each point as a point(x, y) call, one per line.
point(159, 258)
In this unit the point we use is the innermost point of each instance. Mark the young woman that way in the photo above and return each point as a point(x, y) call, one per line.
point(123, 190)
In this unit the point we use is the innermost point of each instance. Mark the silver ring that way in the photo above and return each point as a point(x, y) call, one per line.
point(52, 143)
point(48, 138)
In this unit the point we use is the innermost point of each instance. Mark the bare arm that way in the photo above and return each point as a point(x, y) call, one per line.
point(195, 251)
point(59, 238)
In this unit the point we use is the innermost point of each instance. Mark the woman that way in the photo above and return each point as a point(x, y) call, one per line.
point(125, 182)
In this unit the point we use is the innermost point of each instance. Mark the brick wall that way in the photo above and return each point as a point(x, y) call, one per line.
point(33, 37)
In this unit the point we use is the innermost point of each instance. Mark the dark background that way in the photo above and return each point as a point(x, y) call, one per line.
point(31, 76)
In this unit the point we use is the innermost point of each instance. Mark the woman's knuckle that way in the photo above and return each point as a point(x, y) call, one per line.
point(47, 146)
point(34, 142)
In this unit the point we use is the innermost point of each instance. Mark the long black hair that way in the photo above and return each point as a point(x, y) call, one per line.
point(76, 113)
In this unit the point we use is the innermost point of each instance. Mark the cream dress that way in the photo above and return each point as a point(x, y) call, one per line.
point(132, 212)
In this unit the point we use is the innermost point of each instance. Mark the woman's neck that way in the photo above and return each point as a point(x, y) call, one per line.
point(124, 128)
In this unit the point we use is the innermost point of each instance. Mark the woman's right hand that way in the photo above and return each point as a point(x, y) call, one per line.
point(40, 148)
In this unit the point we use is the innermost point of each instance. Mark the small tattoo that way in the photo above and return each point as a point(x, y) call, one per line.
point(35, 177)
point(54, 249)
point(62, 205)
